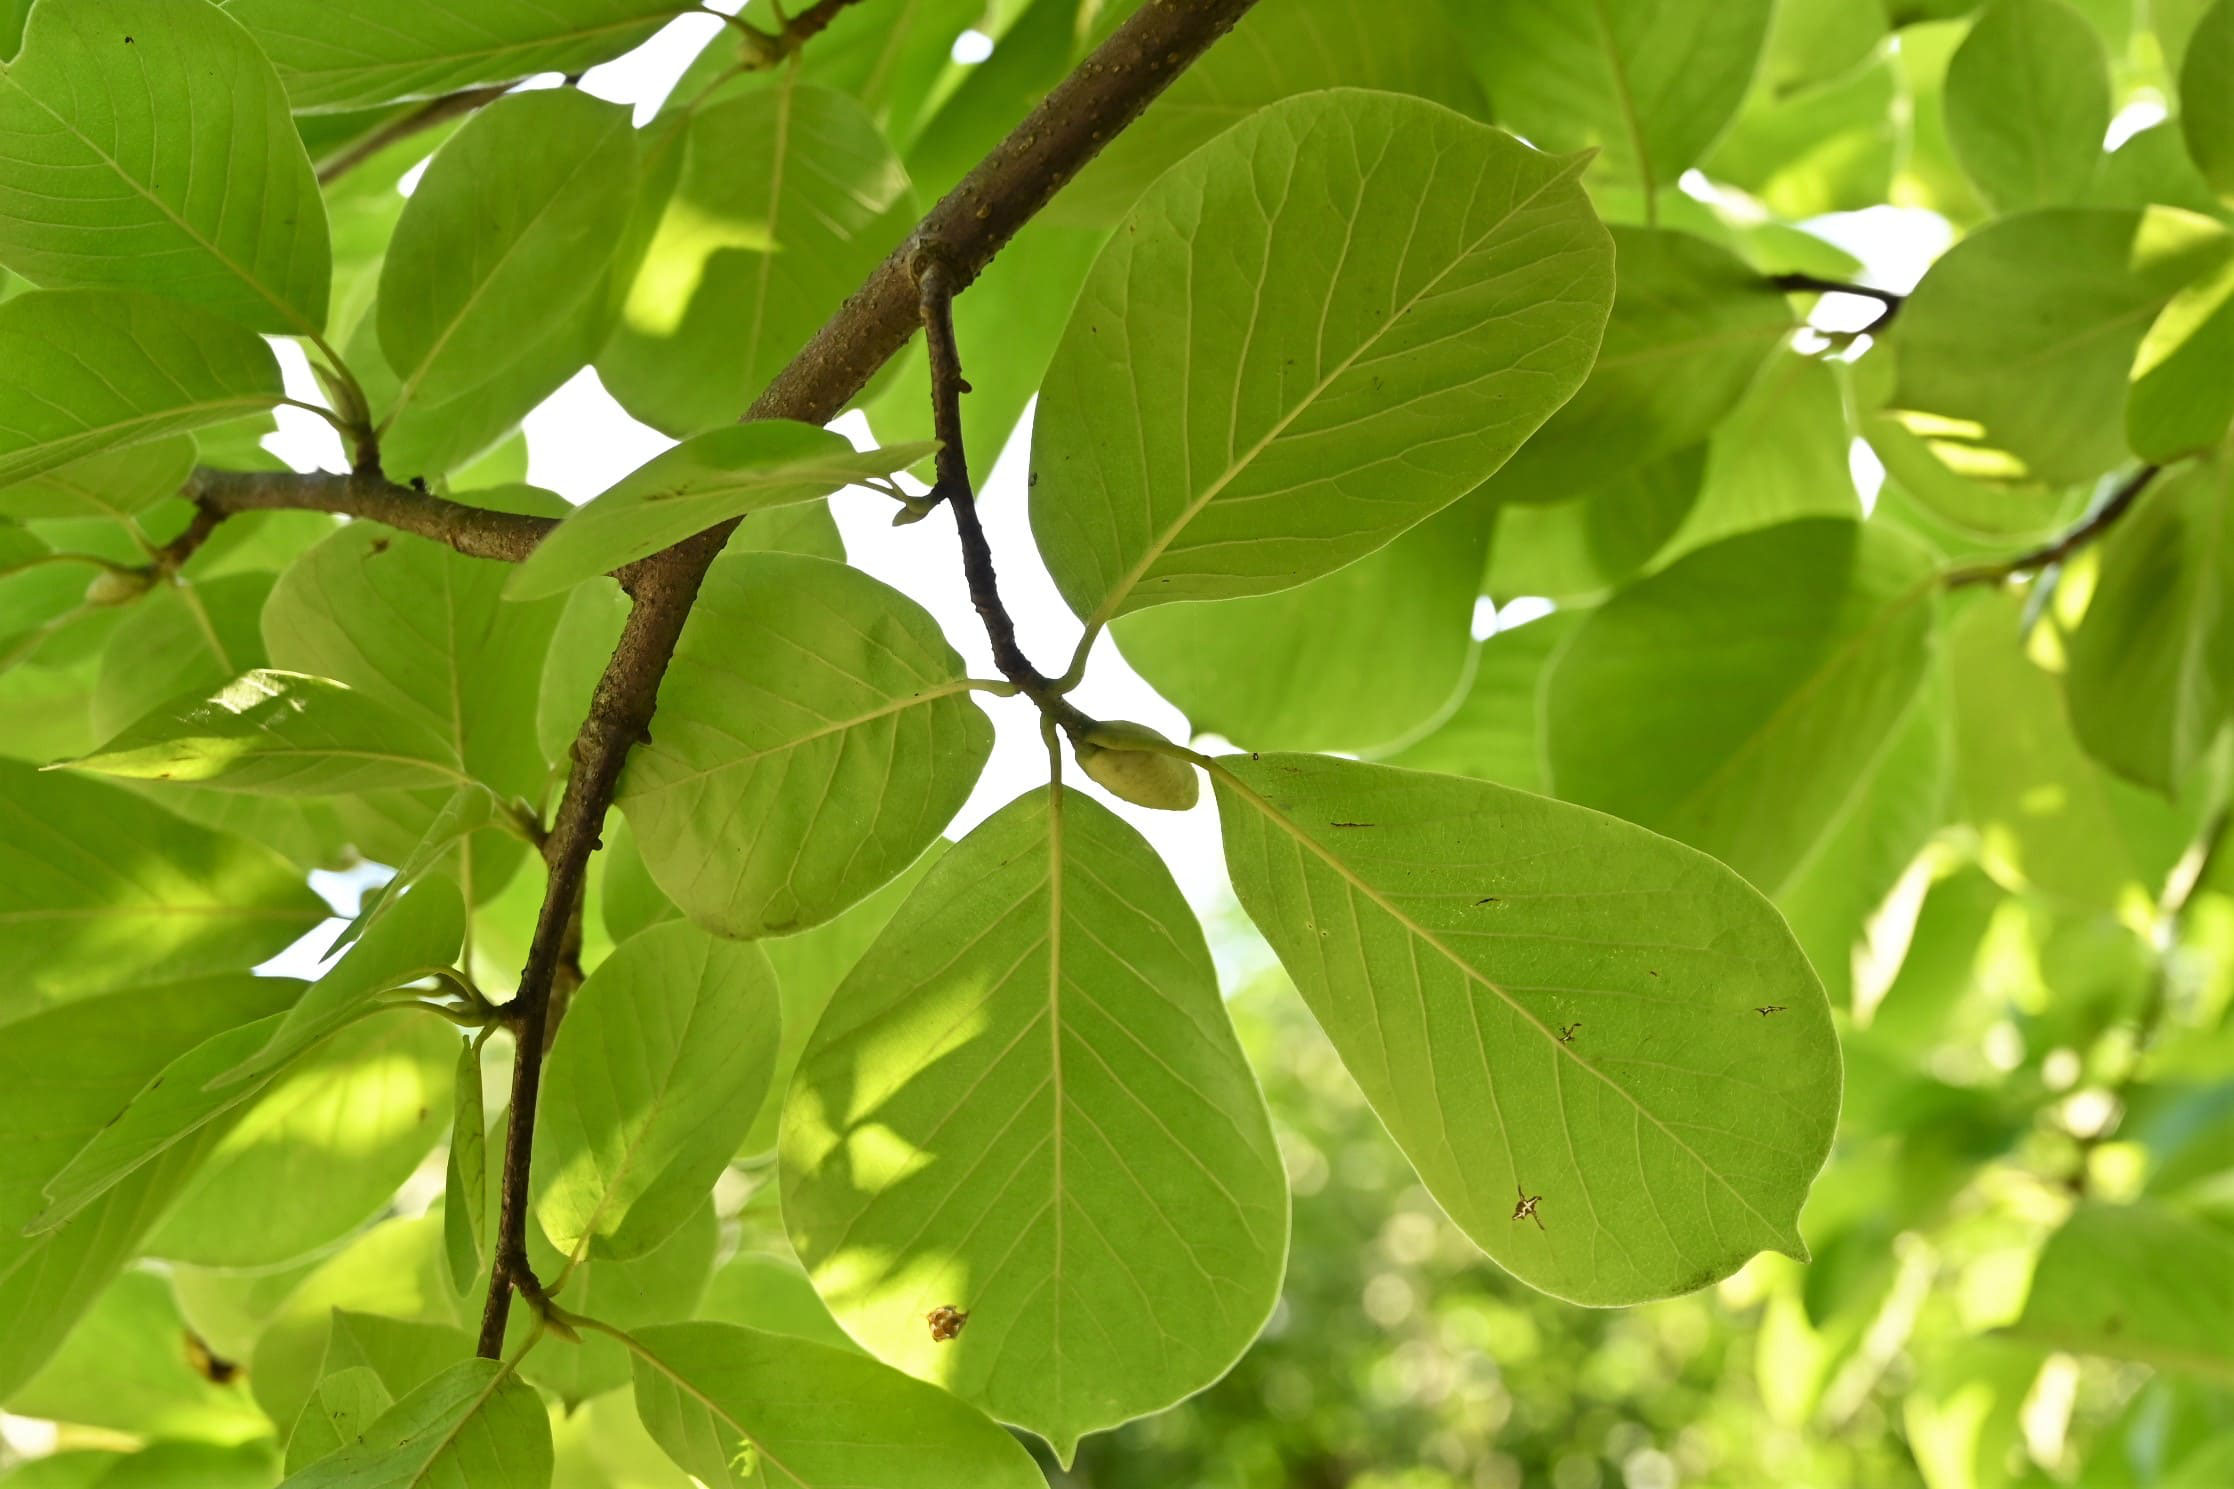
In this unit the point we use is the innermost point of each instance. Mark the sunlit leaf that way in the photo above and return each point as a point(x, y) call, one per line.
point(2028, 100)
point(1026, 1105)
point(1186, 449)
point(147, 146)
point(815, 733)
point(1547, 1005)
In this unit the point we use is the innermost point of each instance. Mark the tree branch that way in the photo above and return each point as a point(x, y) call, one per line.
point(969, 225)
point(2089, 528)
point(434, 111)
point(476, 532)
point(1809, 284)
point(936, 290)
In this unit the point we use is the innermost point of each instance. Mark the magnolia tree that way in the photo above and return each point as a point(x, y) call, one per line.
point(821, 1150)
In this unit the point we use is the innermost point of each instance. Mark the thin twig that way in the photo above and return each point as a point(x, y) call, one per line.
point(936, 289)
point(1809, 284)
point(971, 223)
point(434, 111)
point(2089, 528)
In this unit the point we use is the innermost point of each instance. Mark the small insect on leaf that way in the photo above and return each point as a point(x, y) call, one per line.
point(1526, 1209)
point(946, 1321)
point(1768, 1008)
point(1567, 1032)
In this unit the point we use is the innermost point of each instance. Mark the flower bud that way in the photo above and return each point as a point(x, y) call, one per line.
point(1121, 758)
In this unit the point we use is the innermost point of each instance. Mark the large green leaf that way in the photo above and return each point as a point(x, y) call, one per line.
point(2028, 100)
point(702, 482)
point(63, 1073)
point(815, 733)
point(1355, 660)
point(99, 889)
point(1782, 454)
point(146, 145)
point(736, 1408)
point(656, 1074)
point(1026, 1103)
point(2136, 1282)
point(428, 633)
point(2151, 676)
point(1296, 46)
point(2048, 817)
point(85, 371)
point(1650, 82)
point(1691, 326)
point(336, 1135)
point(2182, 400)
point(788, 197)
point(1266, 377)
point(1736, 699)
point(1546, 1004)
point(474, 1426)
point(495, 287)
point(1580, 548)
point(282, 733)
point(343, 54)
point(115, 483)
point(2019, 340)
point(2207, 95)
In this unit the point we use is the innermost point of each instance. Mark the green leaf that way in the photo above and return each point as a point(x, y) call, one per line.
point(2048, 817)
point(1278, 51)
point(2020, 337)
point(114, 483)
point(701, 483)
point(789, 196)
point(344, 1403)
point(2207, 95)
point(1650, 82)
point(815, 733)
point(1495, 733)
point(2182, 400)
point(809, 967)
point(344, 54)
point(495, 287)
point(1448, 933)
point(2131, 1282)
point(417, 933)
point(64, 1073)
point(85, 371)
point(2028, 101)
point(1185, 449)
point(184, 1098)
point(428, 633)
point(736, 1407)
point(765, 1291)
point(1736, 699)
point(2151, 672)
point(336, 1135)
point(465, 1173)
point(656, 1074)
point(122, 1369)
point(1579, 548)
point(1829, 148)
point(1026, 1103)
point(474, 1424)
point(147, 145)
point(282, 733)
point(1692, 325)
point(144, 893)
point(1783, 454)
point(1355, 660)
point(661, 1286)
